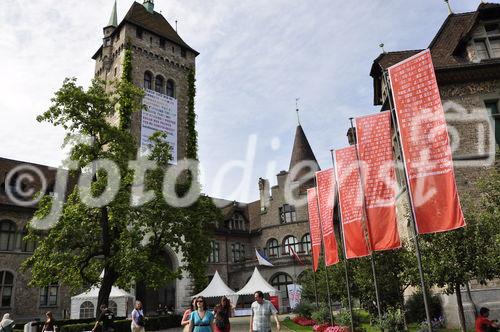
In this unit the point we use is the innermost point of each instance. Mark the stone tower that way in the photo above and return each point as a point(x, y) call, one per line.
point(161, 61)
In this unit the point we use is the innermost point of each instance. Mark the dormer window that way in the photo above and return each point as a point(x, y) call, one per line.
point(487, 41)
point(237, 222)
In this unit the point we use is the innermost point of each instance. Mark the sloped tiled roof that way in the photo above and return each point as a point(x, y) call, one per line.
point(154, 22)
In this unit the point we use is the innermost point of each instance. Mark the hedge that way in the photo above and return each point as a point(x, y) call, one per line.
point(123, 325)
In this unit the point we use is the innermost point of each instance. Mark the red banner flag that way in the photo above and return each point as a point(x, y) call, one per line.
point(314, 224)
point(350, 202)
point(374, 141)
point(325, 182)
point(425, 145)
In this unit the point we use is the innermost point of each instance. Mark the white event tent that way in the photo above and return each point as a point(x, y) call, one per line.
point(257, 283)
point(86, 302)
point(218, 288)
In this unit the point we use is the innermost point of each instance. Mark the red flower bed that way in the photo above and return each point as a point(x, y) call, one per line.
point(329, 328)
point(303, 321)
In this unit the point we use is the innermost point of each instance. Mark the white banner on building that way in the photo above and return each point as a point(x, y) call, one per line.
point(160, 115)
point(294, 294)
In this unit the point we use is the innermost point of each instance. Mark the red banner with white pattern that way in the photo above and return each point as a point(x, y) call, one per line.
point(325, 182)
point(374, 141)
point(350, 202)
point(425, 145)
point(314, 224)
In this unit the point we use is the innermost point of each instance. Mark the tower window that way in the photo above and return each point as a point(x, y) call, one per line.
point(159, 84)
point(148, 78)
point(138, 33)
point(170, 88)
point(287, 214)
point(162, 43)
point(183, 53)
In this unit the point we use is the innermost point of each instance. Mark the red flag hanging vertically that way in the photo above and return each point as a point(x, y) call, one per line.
point(374, 141)
point(425, 145)
point(325, 182)
point(350, 202)
point(312, 209)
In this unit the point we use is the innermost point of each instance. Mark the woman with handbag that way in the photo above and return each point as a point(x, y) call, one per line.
point(6, 324)
point(201, 319)
point(187, 315)
point(138, 319)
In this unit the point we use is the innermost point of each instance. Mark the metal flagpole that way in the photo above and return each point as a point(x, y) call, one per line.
point(326, 267)
point(364, 223)
point(348, 287)
point(315, 287)
point(413, 222)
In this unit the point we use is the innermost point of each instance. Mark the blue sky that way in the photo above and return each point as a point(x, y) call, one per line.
point(256, 57)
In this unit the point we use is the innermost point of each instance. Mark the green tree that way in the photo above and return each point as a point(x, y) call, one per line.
point(123, 241)
point(472, 252)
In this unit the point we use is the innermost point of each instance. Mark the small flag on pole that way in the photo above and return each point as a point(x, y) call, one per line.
point(296, 257)
point(262, 259)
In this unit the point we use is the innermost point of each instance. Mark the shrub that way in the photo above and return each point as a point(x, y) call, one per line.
point(304, 309)
point(152, 324)
point(415, 310)
point(321, 315)
point(343, 318)
point(392, 321)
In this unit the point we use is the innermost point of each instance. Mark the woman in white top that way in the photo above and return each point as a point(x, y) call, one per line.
point(138, 318)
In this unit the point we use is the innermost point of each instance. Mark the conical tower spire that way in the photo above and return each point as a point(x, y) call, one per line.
point(113, 19)
point(301, 149)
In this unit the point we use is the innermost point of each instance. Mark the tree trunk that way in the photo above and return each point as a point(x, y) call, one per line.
point(460, 307)
point(110, 274)
point(107, 282)
point(467, 287)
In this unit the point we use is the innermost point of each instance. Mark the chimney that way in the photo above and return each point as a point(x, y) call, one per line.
point(265, 195)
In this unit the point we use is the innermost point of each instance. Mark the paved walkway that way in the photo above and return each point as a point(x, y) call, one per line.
point(241, 324)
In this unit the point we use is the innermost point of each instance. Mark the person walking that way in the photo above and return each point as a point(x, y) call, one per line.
point(49, 325)
point(222, 313)
point(483, 324)
point(6, 324)
point(262, 310)
point(138, 319)
point(201, 319)
point(106, 317)
point(187, 315)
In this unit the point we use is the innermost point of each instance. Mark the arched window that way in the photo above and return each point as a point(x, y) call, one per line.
point(6, 289)
point(28, 245)
point(280, 281)
point(159, 84)
point(113, 307)
point(170, 88)
point(7, 235)
point(273, 248)
point(148, 80)
point(290, 241)
point(301, 276)
point(306, 243)
point(87, 310)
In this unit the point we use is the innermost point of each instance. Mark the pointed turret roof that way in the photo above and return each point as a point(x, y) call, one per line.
point(301, 149)
point(113, 19)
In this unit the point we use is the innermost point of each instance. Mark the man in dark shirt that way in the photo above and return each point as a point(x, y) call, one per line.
point(106, 317)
